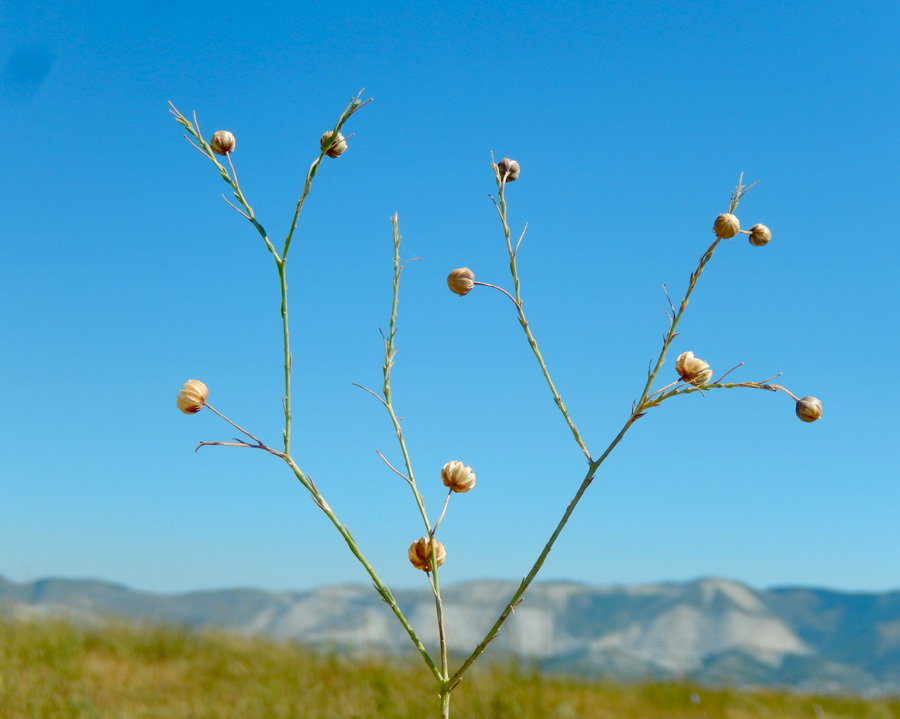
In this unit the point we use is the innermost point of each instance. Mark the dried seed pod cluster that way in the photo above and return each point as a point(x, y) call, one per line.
point(693, 370)
point(461, 281)
point(337, 147)
point(192, 396)
point(420, 554)
point(457, 476)
point(222, 142)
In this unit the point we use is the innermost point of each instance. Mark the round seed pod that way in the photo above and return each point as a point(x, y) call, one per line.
point(457, 476)
point(420, 554)
point(809, 409)
point(461, 281)
point(693, 370)
point(223, 142)
point(337, 147)
point(726, 226)
point(192, 396)
point(760, 235)
point(510, 168)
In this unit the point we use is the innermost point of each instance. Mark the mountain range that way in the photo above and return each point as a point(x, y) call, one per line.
point(713, 631)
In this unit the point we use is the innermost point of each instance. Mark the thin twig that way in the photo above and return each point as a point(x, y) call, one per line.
point(443, 512)
point(521, 237)
point(237, 208)
point(513, 299)
point(240, 444)
point(366, 389)
point(740, 364)
point(237, 427)
point(393, 468)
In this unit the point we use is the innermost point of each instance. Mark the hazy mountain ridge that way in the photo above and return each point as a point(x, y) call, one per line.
point(712, 630)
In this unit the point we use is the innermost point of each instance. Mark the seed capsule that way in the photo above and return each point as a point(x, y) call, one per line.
point(726, 226)
point(457, 476)
point(337, 147)
point(222, 142)
point(510, 168)
point(192, 396)
point(809, 409)
point(760, 235)
point(461, 281)
point(420, 554)
point(693, 370)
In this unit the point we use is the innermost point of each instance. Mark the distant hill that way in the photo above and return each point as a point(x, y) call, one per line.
point(714, 631)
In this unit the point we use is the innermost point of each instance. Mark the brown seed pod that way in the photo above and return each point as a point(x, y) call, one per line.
point(809, 409)
point(420, 554)
point(461, 281)
point(760, 235)
point(510, 168)
point(192, 396)
point(223, 142)
point(337, 147)
point(693, 370)
point(726, 226)
point(457, 476)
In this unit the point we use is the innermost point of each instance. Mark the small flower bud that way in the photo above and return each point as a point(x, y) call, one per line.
point(461, 281)
point(223, 142)
point(692, 369)
point(809, 409)
point(760, 235)
point(459, 477)
point(726, 226)
point(192, 396)
point(510, 168)
point(337, 147)
point(420, 554)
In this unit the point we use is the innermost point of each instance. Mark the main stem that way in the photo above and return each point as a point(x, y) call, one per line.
point(282, 275)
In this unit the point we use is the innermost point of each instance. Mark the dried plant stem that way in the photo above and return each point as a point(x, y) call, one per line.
point(644, 403)
point(636, 413)
point(532, 342)
point(673, 325)
point(288, 357)
point(237, 442)
point(390, 352)
point(542, 557)
point(354, 105)
point(383, 590)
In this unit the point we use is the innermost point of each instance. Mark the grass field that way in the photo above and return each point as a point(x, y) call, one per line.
point(51, 668)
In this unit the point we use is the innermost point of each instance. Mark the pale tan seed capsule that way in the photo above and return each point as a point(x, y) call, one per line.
point(809, 409)
point(223, 142)
point(192, 396)
point(337, 147)
point(760, 235)
point(420, 554)
point(510, 168)
point(726, 226)
point(692, 369)
point(461, 281)
point(457, 476)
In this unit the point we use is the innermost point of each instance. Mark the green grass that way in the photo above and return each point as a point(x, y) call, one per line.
point(52, 668)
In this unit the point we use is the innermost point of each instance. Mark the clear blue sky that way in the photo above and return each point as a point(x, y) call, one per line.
point(123, 274)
